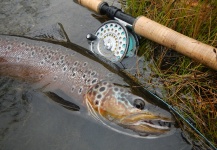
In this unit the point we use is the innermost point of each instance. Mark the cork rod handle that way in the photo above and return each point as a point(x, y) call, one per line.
point(192, 48)
point(90, 4)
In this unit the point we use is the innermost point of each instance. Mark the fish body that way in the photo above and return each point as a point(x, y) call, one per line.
point(107, 95)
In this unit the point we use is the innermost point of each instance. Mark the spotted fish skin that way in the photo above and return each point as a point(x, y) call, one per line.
point(51, 67)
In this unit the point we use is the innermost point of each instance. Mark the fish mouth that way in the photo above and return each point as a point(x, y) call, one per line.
point(147, 123)
point(158, 124)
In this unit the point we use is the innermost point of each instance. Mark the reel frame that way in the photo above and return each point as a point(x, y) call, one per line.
point(114, 40)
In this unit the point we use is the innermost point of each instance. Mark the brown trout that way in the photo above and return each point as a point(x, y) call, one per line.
point(107, 95)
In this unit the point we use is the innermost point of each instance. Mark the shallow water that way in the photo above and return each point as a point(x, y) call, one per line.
point(19, 17)
point(28, 118)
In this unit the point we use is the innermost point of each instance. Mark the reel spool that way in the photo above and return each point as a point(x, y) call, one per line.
point(113, 41)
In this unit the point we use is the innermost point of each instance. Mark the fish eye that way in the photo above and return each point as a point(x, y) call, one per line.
point(139, 103)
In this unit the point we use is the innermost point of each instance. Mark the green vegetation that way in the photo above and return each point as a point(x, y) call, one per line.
point(190, 86)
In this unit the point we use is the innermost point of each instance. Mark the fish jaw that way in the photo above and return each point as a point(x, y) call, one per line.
point(146, 123)
point(116, 104)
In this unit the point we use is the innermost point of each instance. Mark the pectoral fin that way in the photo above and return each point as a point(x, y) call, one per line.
point(66, 104)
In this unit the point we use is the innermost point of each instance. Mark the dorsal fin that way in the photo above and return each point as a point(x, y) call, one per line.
point(54, 32)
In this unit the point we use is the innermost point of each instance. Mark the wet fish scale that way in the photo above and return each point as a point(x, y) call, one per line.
point(60, 66)
point(52, 67)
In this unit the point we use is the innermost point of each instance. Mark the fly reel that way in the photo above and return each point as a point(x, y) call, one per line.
point(114, 41)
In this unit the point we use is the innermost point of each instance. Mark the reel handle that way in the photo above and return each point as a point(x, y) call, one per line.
point(158, 33)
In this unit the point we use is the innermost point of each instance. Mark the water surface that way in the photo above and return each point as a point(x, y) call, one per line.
point(29, 119)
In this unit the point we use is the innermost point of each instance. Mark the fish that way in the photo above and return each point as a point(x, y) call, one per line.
point(108, 94)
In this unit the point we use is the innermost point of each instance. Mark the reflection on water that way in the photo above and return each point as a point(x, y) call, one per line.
point(14, 105)
point(20, 18)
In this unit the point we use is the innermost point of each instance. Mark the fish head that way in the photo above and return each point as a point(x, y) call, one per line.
point(119, 105)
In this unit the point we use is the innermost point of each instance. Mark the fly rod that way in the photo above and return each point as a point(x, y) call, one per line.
point(124, 29)
point(158, 33)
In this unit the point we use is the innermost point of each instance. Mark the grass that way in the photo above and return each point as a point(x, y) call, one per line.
point(190, 87)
